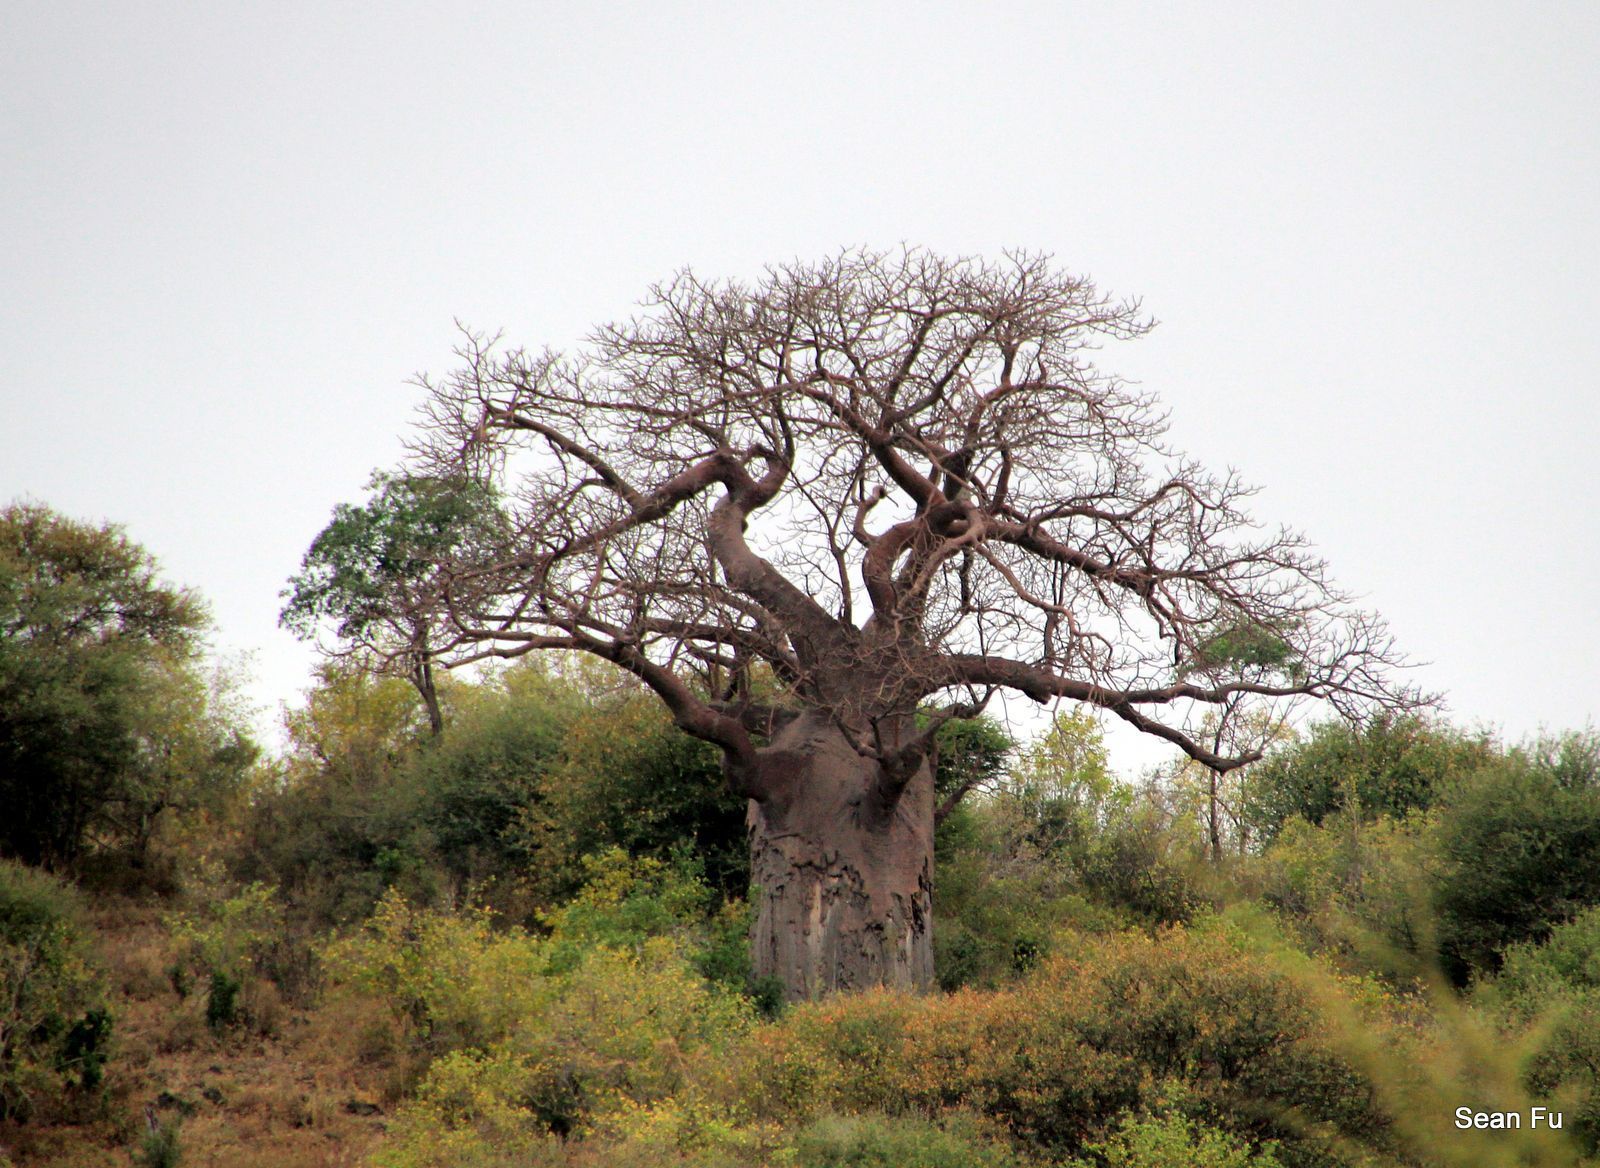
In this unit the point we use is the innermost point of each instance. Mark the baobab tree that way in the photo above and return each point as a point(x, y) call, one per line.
point(823, 514)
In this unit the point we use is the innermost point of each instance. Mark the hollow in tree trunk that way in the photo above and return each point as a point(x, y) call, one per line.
point(844, 877)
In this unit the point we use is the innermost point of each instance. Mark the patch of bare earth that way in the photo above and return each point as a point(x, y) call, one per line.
point(301, 1086)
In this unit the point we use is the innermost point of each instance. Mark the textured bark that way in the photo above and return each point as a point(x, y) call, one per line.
point(846, 881)
point(706, 494)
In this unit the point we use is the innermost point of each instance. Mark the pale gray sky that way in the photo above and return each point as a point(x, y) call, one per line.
point(230, 232)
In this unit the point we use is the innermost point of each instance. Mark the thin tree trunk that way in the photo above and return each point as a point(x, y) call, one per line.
point(844, 884)
point(422, 677)
point(1215, 827)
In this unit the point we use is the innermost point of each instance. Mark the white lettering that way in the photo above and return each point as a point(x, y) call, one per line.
point(1467, 1119)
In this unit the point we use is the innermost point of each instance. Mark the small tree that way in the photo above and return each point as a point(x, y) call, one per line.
point(1237, 725)
point(370, 572)
point(891, 483)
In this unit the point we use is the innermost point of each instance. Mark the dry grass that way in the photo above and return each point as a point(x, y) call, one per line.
point(311, 1092)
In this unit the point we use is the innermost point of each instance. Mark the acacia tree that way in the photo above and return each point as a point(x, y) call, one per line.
point(821, 515)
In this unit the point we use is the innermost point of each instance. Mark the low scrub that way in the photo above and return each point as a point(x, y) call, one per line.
point(1125, 1023)
point(55, 1024)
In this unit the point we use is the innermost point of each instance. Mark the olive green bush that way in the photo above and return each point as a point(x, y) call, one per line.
point(1171, 1141)
point(877, 1141)
point(228, 943)
point(533, 771)
point(343, 819)
point(1361, 890)
point(1054, 845)
point(617, 1029)
point(1517, 847)
point(55, 1025)
point(1390, 766)
point(1551, 993)
point(533, 1036)
point(1120, 1023)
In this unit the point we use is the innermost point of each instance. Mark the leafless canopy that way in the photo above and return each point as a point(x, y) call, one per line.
point(875, 483)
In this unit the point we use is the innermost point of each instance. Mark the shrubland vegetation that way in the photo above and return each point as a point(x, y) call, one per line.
point(515, 934)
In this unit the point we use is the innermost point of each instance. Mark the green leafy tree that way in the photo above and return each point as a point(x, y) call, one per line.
point(971, 756)
point(1058, 792)
point(343, 819)
point(370, 572)
point(1235, 726)
point(1518, 844)
point(106, 720)
point(1389, 765)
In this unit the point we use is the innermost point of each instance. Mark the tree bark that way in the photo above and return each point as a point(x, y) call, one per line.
point(422, 678)
point(844, 880)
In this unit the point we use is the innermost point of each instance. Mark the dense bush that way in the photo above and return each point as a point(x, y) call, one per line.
point(343, 820)
point(55, 1027)
point(533, 772)
point(628, 778)
point(1520, 849)
point(1551, 992)
point(873, 1141)
point(997, 911)
point(1053, 845)
point(1390, 766)
point(617, 1030)
point(533, 1036)
point(107, 723)
point(1363, 889)
point(477, 784)
point(1122, 1023)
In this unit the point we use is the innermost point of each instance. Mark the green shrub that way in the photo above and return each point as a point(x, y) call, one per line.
point(534, 771)
point(161, 1147)
point(1390, 766)
point(1109, 1025)
point(344, 820)
point(228, 942)
point(450, 979)
point(1170, 1141)
point(1549, 994)
point(618, 1030)
point(628, 778)
point(536, 1036)
point(1054, 846)
point(1565, 965)
point(1362, 889)
point(477, 783)
point(1140, 863)
point(997, 912)
point(1518, 848)
point(623, 902)
point(55, 1029)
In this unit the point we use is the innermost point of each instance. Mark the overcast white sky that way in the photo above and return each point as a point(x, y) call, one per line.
point(230, 232)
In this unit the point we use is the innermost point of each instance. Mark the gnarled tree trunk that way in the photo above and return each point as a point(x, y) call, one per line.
point(845, 876)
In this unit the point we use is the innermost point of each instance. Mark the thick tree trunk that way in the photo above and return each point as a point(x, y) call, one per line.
point(845, 882)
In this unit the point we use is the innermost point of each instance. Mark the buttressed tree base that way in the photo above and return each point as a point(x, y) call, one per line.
point(821, 515)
